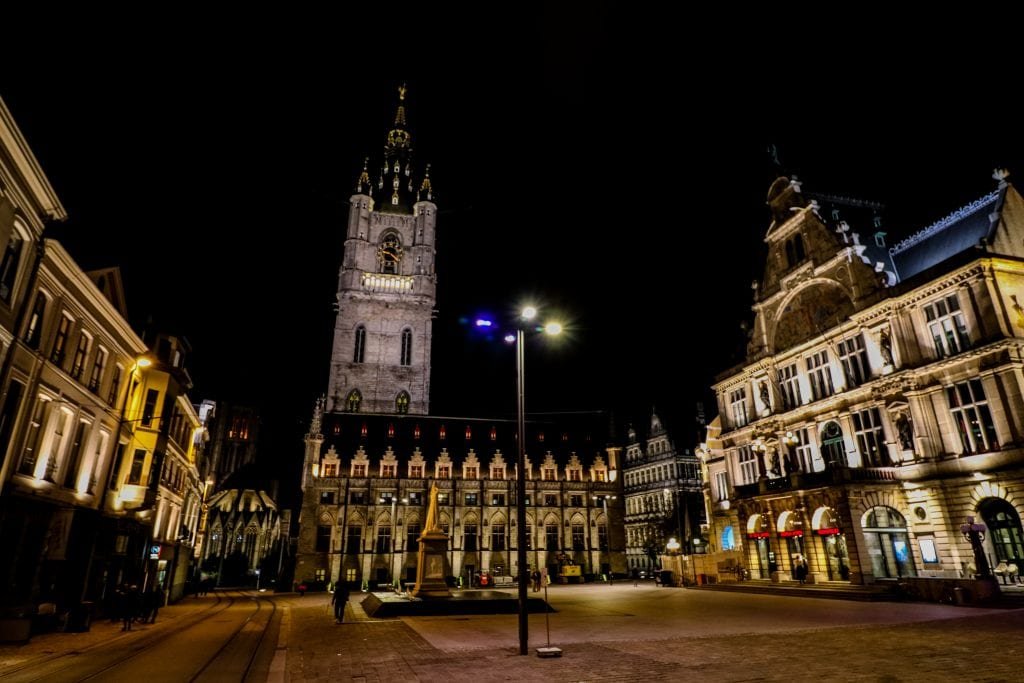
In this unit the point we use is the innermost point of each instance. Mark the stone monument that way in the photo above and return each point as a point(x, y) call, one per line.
point(432, 565)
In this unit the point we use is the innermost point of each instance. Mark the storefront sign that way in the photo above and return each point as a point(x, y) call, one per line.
point(758, 534)
point(791, 533)
point(831, 531)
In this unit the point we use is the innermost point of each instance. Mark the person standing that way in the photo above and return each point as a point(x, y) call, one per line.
point(636, 577)
point(339, 600)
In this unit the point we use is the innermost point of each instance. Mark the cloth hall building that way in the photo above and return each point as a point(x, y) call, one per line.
point(374, 451)
point(880, 403)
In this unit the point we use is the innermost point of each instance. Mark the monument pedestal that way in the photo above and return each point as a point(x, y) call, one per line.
point(432, 566)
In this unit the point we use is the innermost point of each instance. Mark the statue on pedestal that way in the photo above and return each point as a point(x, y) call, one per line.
point(432, 559)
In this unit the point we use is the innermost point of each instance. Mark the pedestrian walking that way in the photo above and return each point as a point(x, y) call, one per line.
point(635, 574)
point(339, 599)
point(157, 603)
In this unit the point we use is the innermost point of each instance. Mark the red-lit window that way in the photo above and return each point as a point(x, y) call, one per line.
point(443, 433)
point(494, 434)
point(469, 432)
point(416, 432)
point(362, 432)
point(391, 431)
point(540, 437)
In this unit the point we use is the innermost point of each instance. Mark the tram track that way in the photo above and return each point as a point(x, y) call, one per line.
point(218, 643)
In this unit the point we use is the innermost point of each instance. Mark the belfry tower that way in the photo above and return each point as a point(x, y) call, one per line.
point(380, 362)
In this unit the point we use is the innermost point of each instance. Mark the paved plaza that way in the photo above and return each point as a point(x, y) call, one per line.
point(615, 633)
point(622, 633)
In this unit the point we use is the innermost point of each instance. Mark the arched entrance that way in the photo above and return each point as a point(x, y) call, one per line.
point(833, 451)
point(760, 556)
point(791, 528)
point(833, 543)
point(1004, 530)
point(885, 538)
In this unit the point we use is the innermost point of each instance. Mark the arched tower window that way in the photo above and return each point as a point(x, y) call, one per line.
point(406, 346)
point(402, 403)
point(359, 349)
point(353, 401)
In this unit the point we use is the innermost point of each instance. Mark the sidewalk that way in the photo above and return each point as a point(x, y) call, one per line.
point(102, 631)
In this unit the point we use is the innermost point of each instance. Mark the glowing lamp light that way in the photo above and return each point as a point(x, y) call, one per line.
point(672, 545)
point(143, 362)
point(510, 338)
point(529, 313)
point(481, 322)
point(553, 328)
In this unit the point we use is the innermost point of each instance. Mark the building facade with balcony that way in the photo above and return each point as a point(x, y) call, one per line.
point(880, 403)
point(662, 490)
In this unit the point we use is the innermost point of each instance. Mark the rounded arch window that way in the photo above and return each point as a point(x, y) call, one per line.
point(887, 543)
point(1004, 530)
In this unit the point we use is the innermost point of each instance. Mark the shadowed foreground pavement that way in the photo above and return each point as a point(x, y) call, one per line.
point(959, 644)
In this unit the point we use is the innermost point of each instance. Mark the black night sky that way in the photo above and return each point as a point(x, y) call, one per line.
point(612, 167)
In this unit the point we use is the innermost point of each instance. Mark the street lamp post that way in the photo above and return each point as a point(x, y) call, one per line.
point(394, 538)
point(607, 529)
point(975, 535)
point(526, 316)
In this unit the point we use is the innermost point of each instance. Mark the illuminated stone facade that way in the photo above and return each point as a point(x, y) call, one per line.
point(380, 361)
point(662, 497)
point(880, 403)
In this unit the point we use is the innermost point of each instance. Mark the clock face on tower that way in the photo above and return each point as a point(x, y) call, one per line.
point(389, 254)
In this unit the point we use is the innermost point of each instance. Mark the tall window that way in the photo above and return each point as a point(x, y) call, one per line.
point(1004, 529)
point(579, 539)
point(789, 385)
point(795, 250)
point(973, 420)
point(359, 470)
point(406, 347)
point(115, 384)
point(497, 536)
point(551, 537)
point(353, 401)
point(721, 485)
point(469, 472)
point(497, 472)
point(402, 403)
point(61, 340)
point(31, 449)
point(75, 456)
point(549, 474)
point(135, 474)
point(854, 359)
point(323, 538)
point(804, 450)
point(820, 374)
point(867, 426)
point(444, 471)
point(412, 536)
point(9, 266)
point(384, 538)
point(469, 537)
point(359, 350)
point(738, 401)
point(833, 450)
point(747, 464)
point(946, 324)
point(81, 352)
point(149, 408)
point(354, 540)
point(35, 322)
point(529, 536)
point(97, 370)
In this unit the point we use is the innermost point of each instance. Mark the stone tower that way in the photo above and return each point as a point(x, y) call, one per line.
point(380, 362)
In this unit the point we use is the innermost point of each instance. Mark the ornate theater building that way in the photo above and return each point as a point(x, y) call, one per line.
point(879, 406)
